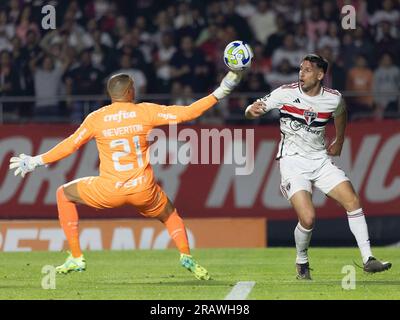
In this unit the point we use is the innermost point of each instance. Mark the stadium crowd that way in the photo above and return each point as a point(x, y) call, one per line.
point(176, 48)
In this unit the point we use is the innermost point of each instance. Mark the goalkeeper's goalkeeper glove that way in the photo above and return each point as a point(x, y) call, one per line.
point(25, 164)
point(228, 83)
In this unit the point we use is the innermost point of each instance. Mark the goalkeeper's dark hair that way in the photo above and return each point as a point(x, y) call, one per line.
point(320, 61)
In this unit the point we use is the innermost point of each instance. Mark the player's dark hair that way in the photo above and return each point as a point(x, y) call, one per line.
point(321, 62)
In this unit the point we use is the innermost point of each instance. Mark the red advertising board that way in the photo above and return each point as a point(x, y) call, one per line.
point(370, 157)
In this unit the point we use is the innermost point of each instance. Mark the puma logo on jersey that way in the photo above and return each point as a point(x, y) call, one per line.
point(121, 115)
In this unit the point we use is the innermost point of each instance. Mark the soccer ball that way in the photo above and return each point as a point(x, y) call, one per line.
point(238, 55)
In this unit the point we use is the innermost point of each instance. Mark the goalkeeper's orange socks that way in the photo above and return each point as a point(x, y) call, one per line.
point(68, 216)
point(177, 231)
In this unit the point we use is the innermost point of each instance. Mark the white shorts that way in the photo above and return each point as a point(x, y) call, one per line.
point(299, 173)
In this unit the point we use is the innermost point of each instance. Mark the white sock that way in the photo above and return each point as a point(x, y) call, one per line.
point(359, 228)
point(302, 237)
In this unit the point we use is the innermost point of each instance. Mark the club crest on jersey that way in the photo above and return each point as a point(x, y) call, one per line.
point(309, 116)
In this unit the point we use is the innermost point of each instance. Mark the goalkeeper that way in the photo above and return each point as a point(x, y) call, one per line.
point(126, 177)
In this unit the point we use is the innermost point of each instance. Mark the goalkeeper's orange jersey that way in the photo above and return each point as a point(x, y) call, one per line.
point(120, 130)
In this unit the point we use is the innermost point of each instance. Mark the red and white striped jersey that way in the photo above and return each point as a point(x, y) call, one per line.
point(303, 119)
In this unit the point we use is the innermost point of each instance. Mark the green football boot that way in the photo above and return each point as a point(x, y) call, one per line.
point(198, 271)
point(72, 264)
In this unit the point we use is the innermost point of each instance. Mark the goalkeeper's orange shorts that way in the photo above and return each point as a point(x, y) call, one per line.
point(101, 193)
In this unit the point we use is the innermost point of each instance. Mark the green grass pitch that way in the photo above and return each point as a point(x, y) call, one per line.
point(157, 274)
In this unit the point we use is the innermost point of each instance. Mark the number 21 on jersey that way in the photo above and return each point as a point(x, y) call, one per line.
point(116, 156)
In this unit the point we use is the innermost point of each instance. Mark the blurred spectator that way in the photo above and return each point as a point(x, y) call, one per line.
point(245, 9)
point(239, 23)
point(289, 52)
point(275, 40)
point(263, 22)
point(286, 7)
point(208, 42)
point(130, 45)
point(354, 44)
point(137, 75)
point(7, 32)
point(184, 17)
point(109, 21)
point(9, 85)
point(70, 32)
point(387, 14)
point(388, 43)
point(189, 66)
point(330, 11)
point(335, 77)
point(163, 56)
point(162, 25)
point(301, 38)
point(260, 63)
point(362, 44)
point(30, 50)
point(102, 53)
point(304, 12)
point(100, 8)
point(331, 39)
point(213, 11)
point(360, 80)
point(199, 23)
point(316, 26)
point(141, 32)
point(182, 94)
point(14, 11)
point(254, 82)
point(89, 37)
point(282, 75)
point(31, 47)
point(386, 80)
point(17, 54)
point(144, 46)
point(74, 11)
point(121, 28)
point(26, 24)
point(83, 79)
point(47, 81)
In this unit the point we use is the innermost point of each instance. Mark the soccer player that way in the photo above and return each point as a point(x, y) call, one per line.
point(305, 108)
point(126, 177)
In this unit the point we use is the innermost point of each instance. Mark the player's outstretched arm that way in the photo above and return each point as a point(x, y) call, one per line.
point(265, 104)
point(228, 83)
point(255, 110)
point(161, 115)
point(24, 163)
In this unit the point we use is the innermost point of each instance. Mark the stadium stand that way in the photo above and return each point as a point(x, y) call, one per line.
point(176, 46)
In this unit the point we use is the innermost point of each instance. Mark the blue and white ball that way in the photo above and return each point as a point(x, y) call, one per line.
point(238, 55)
